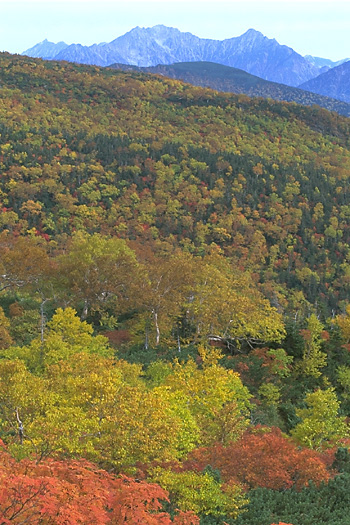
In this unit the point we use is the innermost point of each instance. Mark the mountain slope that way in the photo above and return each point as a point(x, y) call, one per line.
point(46, 50)
point(324, 62)
point(253, 52)
point(170, 166)
point(233, 80)
point(334, 83)
point(93, 55)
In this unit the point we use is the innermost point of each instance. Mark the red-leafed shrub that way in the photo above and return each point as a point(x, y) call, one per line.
point(263, 458)
point(55, 492)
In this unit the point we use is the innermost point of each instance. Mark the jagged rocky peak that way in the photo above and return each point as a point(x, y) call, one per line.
point(253, 52)
point(45, 49)
point(325, 62)
point(253, 34)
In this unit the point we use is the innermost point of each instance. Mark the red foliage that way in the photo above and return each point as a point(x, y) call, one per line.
point(117, 337)
point(77, 492)
point(263, 458)
point(43, 235)
point(325, 335)
point(305, 334)
point(139, 502)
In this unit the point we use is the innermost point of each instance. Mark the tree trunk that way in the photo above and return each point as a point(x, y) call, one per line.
point(146, 337)
point(84, 312)
point(157, 328)
point(42, 320)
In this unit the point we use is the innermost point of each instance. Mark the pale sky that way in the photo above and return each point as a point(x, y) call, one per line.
point(315, 27)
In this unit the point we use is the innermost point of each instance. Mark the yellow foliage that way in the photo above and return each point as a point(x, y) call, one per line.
point(201, 493)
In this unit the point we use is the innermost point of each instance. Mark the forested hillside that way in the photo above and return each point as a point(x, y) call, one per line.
point(174, 288)
point(232, 80)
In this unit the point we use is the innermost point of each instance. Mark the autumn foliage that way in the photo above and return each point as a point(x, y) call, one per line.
point(263, 458)
point(173, 219)
point(77, 492)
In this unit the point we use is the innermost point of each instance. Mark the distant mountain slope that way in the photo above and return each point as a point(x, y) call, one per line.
point(45, 49)
point(97, 54)
point(253, 52)
point(229, 79)
point(334, 83)
point(324, 62)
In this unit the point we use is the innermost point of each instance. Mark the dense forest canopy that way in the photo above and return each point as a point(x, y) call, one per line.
point(163, 163)
point(144, 222)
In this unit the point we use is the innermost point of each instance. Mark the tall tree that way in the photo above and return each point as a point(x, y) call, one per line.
point(226, 305)
point(94, 273)
point(321, 426)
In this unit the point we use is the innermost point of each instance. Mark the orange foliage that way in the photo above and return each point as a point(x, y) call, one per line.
point(77, 492)
point(139, 502)
point(263, 458)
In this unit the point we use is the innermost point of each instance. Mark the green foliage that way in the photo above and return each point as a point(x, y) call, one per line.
point(201, 493)
point(328, 504)
point(281, 362)
point(313, 358)
point(174, 217)
point(88, 403)
point(176, 166)
point(157, 372)
point(66, 335)
point(26, 326)
point(225, 303)
point(224, 78)
point(343, 322)
point(5, 337)
point(93, 270)
point(216, 397)
point(342, 460)
point(270, 393)
point(320, 426)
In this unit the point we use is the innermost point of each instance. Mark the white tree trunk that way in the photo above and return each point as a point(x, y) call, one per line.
point(157, 327)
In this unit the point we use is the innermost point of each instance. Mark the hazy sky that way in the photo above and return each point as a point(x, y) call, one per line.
point(315, 27)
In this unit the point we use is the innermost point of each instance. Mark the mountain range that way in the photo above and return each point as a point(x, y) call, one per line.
point(251, 52)
point(324, 63)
